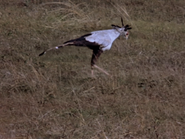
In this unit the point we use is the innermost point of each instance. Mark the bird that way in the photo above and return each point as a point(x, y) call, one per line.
point(98, 41)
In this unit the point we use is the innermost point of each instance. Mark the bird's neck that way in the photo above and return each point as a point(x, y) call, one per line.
point(115, 34)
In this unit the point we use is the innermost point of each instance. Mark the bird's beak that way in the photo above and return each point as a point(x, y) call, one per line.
point(126, 36)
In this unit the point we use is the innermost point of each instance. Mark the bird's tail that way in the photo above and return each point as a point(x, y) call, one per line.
point(56, 47)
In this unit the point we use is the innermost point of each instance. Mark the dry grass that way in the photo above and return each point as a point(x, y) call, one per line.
point(54, 96)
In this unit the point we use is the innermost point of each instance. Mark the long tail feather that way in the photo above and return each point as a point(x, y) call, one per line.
point(57, 47)
point(42, 53)
point(47, 50)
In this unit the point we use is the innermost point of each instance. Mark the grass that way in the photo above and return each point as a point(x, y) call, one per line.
point(55, 97)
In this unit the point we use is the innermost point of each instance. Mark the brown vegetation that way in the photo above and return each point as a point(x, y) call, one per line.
point(54, 96)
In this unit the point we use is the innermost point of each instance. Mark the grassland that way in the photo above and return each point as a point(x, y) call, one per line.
point(54, 96)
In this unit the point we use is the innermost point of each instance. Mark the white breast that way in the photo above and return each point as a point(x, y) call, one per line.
point(105, 38)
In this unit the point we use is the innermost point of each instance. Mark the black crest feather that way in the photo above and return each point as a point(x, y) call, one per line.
point(115, 26)
point(127, 27)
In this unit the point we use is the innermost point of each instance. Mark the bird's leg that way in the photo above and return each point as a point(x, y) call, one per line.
point(92, 71)
point(96, 53)
point(102, 70)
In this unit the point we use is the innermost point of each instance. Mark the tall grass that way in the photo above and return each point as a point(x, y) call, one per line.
point(54, 96)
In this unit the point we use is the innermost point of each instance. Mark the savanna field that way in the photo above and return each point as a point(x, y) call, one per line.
point(55, 97)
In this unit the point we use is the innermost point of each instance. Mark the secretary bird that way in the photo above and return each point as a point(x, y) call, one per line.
point(98, 41)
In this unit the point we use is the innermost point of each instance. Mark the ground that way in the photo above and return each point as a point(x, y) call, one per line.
point(55, 97)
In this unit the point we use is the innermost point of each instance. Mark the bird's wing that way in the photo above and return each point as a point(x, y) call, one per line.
point(100, 37)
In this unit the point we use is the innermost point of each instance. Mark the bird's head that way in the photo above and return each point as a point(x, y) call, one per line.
point(122, 30)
